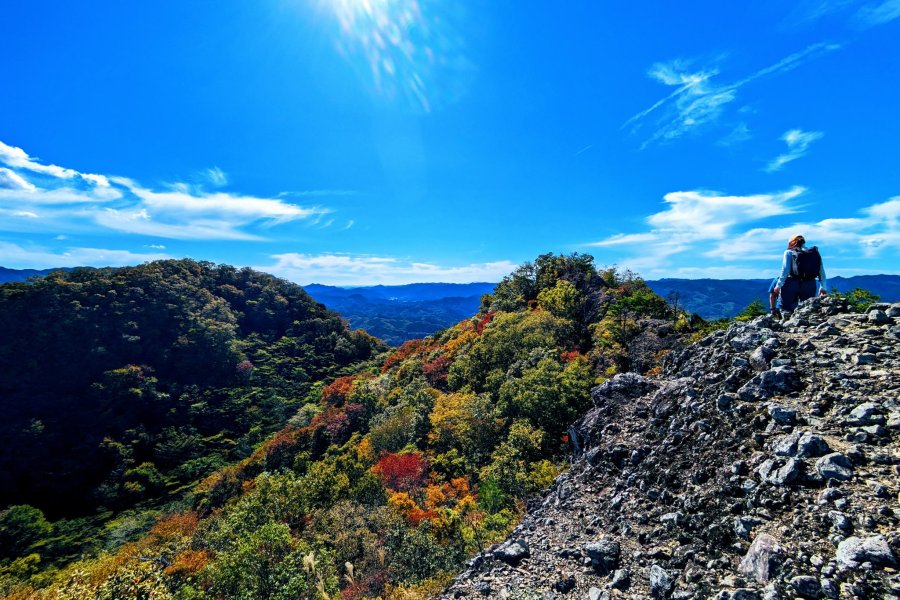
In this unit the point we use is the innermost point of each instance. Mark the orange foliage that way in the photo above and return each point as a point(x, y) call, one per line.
point(188, 563)
point(173, 527)
point(452, 347)
point(337, 391)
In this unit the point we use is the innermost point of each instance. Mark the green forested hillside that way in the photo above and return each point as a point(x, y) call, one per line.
point(387, 479)
point(120, 386)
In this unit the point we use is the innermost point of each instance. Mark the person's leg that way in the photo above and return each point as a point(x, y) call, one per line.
point(806, 290)
point(789, 294)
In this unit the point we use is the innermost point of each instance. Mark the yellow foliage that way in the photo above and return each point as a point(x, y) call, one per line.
point(402, 502)
point(365, 453)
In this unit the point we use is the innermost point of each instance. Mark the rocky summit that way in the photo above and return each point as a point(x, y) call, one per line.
point(763, 463)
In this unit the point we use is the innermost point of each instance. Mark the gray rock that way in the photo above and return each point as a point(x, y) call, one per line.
point(743, 526)
point(621, 579)
point(776, 472)
point(787, 445)
point(828, 588)
point(866, 413)
point(604, 555)
point(783, 416)
point(840, 521)
point(855, 550)
point(483, 588)
point(835, 466)
point(763, 559)
point(624, 386)
point(759, 358)
point(811, 445)
point(806, 586)
point(661, 582)
point(512, 551)
point(777, 380)
point(878, 317)
point(596, 594)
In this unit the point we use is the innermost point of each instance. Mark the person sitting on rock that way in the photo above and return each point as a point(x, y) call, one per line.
point(800, 268)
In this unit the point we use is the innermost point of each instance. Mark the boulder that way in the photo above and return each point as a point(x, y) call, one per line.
point(856, 550)
point(513, 551)
point(835, 466)
point(604, 555)
point(661, 582)
point(763, 559)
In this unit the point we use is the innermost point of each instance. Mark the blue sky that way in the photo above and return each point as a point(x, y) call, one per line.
point(391, 141)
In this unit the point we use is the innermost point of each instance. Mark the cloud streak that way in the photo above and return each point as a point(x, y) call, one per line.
point(355, 270)
point(38, 257)
point(714, 235)
point(58, 197)
point(798, 142)
point(699, 99)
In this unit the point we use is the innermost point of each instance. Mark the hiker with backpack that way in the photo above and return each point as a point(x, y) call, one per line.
point(800, 268)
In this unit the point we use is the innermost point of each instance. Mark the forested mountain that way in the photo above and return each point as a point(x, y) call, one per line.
point(122, 386)
point(398, 313)
point(8, 275)
point(385, 480)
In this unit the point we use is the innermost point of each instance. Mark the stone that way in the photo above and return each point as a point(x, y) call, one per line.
point(759, 358)
point(777, 473)
point(840, 521)
point(854, 551)
point(806, 586)
point(513, 551)
point(835, 466)
point(812, 446)
point(783, 416)
point(604, 555)
point(595, 593)
point(621, 579)
point(865, 414)
point(743, 526)
point(777, 380)
point(878, 317)
point(763, 559)
point(661, 582)
point(483, 588)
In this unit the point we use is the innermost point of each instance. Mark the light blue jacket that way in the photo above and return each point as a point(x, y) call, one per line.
point(786, 263)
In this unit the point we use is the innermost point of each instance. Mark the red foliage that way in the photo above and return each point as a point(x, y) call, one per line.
point(410, 349)
point(402, 472)
point(436, 370)
point(484, 321)
point(337, 391)
point(570, 356)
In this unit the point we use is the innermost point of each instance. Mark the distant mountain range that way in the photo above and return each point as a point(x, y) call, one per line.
point(724, 298)
point(397, 313)
point(7, 275)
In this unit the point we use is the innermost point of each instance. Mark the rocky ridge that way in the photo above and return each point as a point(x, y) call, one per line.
point(763, 463)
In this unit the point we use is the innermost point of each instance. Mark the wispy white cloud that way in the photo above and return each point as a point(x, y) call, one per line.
point(798, 142)
point(699, 236)
point(216, 177)
point(15, 157)
point(37, 257)
point(10, 180)
point(740, 133)
point(59, 197)
point(346, 269)
point(698, 98)
point(877, 13)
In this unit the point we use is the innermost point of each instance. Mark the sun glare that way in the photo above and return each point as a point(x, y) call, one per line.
point(409, 52)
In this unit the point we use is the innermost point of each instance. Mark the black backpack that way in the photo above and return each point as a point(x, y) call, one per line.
point(806, 264)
